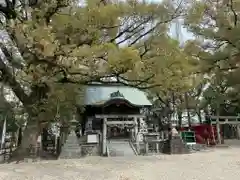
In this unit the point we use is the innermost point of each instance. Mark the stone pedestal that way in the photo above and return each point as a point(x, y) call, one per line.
point(71, 148)
point(90, 150)
point(238, 131)
point(175, 145)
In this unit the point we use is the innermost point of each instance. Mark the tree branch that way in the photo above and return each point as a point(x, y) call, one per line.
point(130, 29)
point(53, 10)
point(9, 10)
point(152, 29)
point(160, 99)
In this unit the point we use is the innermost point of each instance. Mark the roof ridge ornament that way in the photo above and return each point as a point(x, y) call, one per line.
point(116, 94)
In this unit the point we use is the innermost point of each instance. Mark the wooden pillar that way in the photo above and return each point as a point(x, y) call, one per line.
point(104, 137)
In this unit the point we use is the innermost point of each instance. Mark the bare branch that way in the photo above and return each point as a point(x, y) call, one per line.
point(152, 29)
point(130, 29)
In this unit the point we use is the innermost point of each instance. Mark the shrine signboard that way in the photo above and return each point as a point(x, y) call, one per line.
point(92, 138)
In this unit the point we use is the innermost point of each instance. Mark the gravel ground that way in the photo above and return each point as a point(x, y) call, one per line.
point(216, 164)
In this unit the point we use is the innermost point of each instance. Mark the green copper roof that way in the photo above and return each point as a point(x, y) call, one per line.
point(99, 94)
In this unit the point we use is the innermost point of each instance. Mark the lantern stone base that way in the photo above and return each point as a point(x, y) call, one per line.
point(175, 145)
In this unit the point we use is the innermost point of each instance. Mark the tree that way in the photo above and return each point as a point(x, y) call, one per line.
point(65, 43)
point(174, 76)
point(217, 24)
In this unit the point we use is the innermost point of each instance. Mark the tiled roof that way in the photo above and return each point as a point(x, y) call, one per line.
point(99, 94)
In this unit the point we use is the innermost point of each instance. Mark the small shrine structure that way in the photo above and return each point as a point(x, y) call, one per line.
point(113, 112)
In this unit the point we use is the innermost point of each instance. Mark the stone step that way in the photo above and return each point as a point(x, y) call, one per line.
point(72, 145)
point(72, 150)
point(120, 148)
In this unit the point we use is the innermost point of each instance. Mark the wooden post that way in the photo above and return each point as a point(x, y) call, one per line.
point(104, 136)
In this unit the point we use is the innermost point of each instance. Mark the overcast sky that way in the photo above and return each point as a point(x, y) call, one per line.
point(184, 34)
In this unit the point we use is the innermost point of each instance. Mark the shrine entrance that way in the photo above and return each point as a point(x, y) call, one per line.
point(119, 127)
point(121, 130)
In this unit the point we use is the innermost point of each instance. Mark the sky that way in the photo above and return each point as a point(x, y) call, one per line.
point(184, 34)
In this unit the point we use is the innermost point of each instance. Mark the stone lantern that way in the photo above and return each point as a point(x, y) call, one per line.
point(73, 123)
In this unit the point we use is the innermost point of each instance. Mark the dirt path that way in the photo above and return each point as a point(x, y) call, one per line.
point(220, 164)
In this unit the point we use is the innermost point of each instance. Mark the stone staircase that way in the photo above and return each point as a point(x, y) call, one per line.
point(71, 149)
point(120, 148)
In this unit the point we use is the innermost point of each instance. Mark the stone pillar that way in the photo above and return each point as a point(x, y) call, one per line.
point(146, 145)
point(136, 134)
point(157, 144)
point(238, 131)
point(104, 136)
point(132, 133)
point(162, 135)
point(218, 132)
point(218, 126)
point(39, 141)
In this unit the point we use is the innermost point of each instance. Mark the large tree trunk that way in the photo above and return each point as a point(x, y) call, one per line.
point(179, 114)
point(199, 115)
point(28, 143)
point(218, 124)
point(188, 110)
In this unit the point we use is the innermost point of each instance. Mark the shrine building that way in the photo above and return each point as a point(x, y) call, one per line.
point(113, 112)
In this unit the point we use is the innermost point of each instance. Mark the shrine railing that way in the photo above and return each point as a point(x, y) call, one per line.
point(134, 148)
point(154, 142)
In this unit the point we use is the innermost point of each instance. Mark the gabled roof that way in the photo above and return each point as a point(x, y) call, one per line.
point(100, 94)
